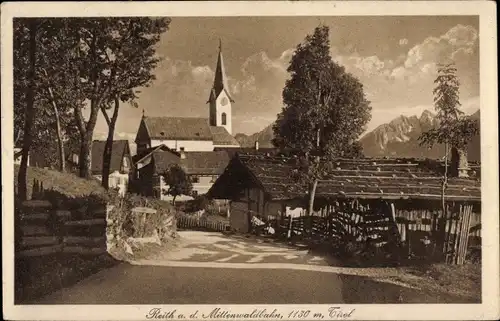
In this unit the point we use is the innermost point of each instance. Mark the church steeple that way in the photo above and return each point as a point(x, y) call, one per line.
point(220, 80)
point(220, 99)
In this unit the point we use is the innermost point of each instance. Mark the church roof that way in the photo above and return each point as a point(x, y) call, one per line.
point(222, 137)
point(178, 128)
point(220, 80)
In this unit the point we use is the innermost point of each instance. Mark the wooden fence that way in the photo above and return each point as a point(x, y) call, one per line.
point(194, 223)
point(452, 235)
point(44, 231)
point(422, 232)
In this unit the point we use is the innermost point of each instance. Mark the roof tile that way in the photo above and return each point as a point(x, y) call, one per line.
point(178, 128)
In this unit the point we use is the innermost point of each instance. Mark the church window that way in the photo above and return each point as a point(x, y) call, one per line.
point(224, 120)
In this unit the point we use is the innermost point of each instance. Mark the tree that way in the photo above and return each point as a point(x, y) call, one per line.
point(454, 129)
point(57, 95)
point(325, 109)
point(30, 28)
point(130, 61)
point(178, 182)
point(53, 96)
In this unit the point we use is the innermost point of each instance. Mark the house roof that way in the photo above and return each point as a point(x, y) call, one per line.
point(195, 163)
point(146, 152)
point(120, 147)
point(350, 178)
point(178, 128)
point(222, 137)
point(232, 151)
point(211, 163)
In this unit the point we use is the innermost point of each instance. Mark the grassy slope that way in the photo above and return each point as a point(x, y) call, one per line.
point(66, 183)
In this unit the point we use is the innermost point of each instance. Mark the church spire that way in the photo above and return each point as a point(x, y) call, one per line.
point(220, 80)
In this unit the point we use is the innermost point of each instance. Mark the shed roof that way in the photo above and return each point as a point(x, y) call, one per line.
point(354, 178)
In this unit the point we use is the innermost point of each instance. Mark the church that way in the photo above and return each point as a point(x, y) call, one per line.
point(199, 145)
point(191, 133)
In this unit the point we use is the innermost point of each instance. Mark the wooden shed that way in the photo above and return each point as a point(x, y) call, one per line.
point(406, 192)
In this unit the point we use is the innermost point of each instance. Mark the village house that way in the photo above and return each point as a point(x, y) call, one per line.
point(202, 167)
point(267, 187)
point(121, 165)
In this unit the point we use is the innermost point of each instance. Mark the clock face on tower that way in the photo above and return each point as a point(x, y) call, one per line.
point(224, 101)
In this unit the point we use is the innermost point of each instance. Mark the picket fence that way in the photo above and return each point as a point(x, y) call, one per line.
point(195, 223)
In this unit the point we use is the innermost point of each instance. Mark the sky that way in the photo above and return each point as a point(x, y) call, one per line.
point(393, 57)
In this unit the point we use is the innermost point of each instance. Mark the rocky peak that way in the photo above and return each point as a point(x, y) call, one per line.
point(427, 117)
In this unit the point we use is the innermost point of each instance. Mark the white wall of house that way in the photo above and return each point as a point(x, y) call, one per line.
point(188, 145)
point(18, 159)
point(227, 146)
point(117, 180)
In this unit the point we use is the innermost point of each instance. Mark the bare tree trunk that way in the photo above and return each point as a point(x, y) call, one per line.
point(317, 138)
point(30, 111)
point(312, 194)
point(62, 162)
point(60, 143)
point(85, 159)
point(108, 149)
point(443, 200)
point(87, 128)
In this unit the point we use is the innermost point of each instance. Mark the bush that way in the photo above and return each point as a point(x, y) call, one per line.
point(125, 223)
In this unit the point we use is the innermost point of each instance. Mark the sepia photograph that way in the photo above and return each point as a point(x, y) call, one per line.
point(253, 164)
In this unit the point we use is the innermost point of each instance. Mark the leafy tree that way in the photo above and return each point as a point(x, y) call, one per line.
point(325, 109)
point(178, 182)
point(454, 130)
point(53, 97)
point(130, 61)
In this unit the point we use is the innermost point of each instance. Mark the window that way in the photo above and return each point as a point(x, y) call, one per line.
point(224, 120)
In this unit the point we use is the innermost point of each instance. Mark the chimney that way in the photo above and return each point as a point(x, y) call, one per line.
point(256, 145)
point(459, 165)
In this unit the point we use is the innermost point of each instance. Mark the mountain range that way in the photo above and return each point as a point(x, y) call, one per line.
point(397, 138)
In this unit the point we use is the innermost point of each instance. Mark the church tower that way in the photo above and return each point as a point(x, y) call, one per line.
point(220, 99)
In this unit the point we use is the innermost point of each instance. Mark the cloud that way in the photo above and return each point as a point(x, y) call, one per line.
point(182, 88)
point(441, 49)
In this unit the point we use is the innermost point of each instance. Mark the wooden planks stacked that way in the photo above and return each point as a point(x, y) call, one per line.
point(38, 237)
point(48, 231)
